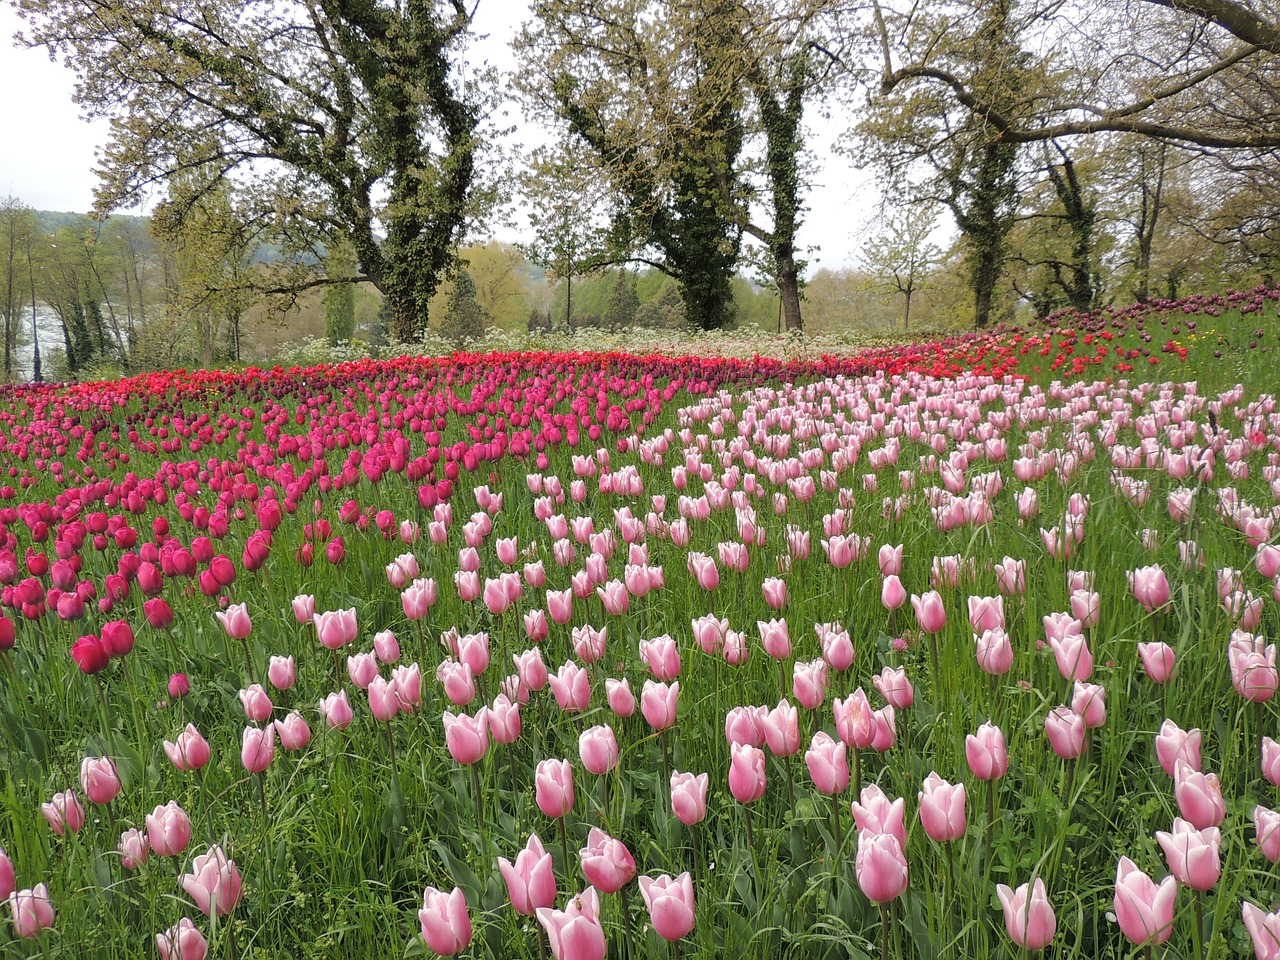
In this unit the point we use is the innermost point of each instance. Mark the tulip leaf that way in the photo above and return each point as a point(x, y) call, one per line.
point(393, 817)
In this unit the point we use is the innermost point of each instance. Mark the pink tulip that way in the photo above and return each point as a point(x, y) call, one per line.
point(293, 731)
point(182, 941)
point(1029, 920)
point(507, 549)
point(336, 710)
point(32, 911)
point(1264, 931)
point(467, 737)
point(658, 704)
point(258, 748)
point(1199, 796)
point(876, 813)
point(383, 703)
point(282, 672)
point(1143, 910)
point(213, 883)
point(886, 730)
point(746, 772)
point(235, 621)
point(1150, 587)
point(1157, 660)
point(418, 598)
point(930, 613)
point(670, 904)
point(572, 687)
point(1090, 701)
point(809, 683)
point(942, 812)
point(560, 605)
point(257, 704)
point(304, 608)
point(495, 597)
point(1075, 662)
point(744, 725)
point(735, 649)
point(775, 592)
point(589, 643)
point(614, 597)
point(1270, 761)
point(892, 593)
point(1192, 854)
point(531, 668)
point(7, 878)
point(621, 700)
point(446, 925)
point(468, 587)
point(893, 685)
point(1252, 662)
point(662, 656)
point(606, 863)
point(1086, 607)
point(709, 633)
point(575, 933)
point(473, 650)
point(336, 628)
point(1065, 729)
point(554, 787)
point(504, 719)
point(1267, 560)
point(781, 727)
point(774, 638)
point(994, 652)
point(99, 779)
point(190, 751)
point(827, 763)
point(168, 830)
point(1011, 575)
point(133, 849)
point(890, 559)
point(703, 569)
point(1175, 745)
point(881, 866)
point(986, 613)
point(837, 645)
point(985, 752)
point(689, 797)
point(531, 881)
point(598, 750)
point(63, 813)
point(536, 627)
point(1266, 829)
point(855, 721)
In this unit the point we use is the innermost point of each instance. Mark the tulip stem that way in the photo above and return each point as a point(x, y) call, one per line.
point(884, 931)
point(857, 773)
point(933, 653)
point(231, 940)
point(951, 871)
point(564, 848)
point(751, 840)
point(791, 790)
point(479, 796)
point(515, 797)
point(262, 795)
point(1197, 900)
point(106, 716)
point(625, 902)
point(666, 757)
point(835, 820)
point(991, 818)
point(391, 744)
point(248, 661)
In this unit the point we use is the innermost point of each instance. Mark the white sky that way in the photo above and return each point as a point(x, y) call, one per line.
point(47, 149)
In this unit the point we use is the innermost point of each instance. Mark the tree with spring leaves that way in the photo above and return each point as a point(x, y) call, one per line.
point(340, 118)
point(902, 256)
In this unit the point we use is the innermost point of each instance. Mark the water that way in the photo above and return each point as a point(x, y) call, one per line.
point(50, 329)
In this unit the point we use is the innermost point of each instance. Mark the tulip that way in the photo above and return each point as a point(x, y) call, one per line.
point(99, 780)
point(827, 763)
point(63, 813)
point(1199, 796)
point(257, 705)
point(168, 829)
point(1252, 663)
point(258, 748)
point(930, 613)
point(282, 672)
point(774, 638)
point(876, 813)
point(182, 941)
point(1075, 662)
point(606, 863)
point(536, 627)
point(1086, 607)
point(689, 797)
point(213, 883)
point(133, 849)
point(855, 721)
point(886, 731)
point(575, 933)
point(530, 881)
point(467, 737)
point(598, 750)
point(158, 613)
point(179, 686)
point(190, 751)
point(304, 608)
point(362, 668)
point(1029, 920)
point(662, 656)
point(1150, 587)
point(1264, 931)
point(1011, 574)
point(746, 773)
point(560, 605)
point(336, 710)
point(589, 643)
point(621, 700)
point(985, 752)
point(336, 628)
point(7, 884)
point(781, 727)
point(117, 637)
point(658, 704)
point(531, 668)
point(775, 592)
point(554, 787)
point(90, 654)
point(670, 904)
point(1157, 660)
point(446, 925)
point(235, 621)
point(1192, 854)
point(504, 720)
point(1143, 910)
point(572, 688)
point(32, 911)
point(1270, 761)
point(293, 731)
point(704, 571)
point(473, 650)
point(890, 560)
point(1266, 826)
point(406, 684)
point(809, 683)
point(892, 593)
point(942, 812)
point(1065, 729)
point(881, 866)
point(837, 645)
point(893, 685)
point(986, 613)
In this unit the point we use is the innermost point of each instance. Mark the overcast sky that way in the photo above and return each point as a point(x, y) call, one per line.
point(47, 149)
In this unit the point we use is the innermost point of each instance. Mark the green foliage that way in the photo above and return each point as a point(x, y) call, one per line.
point(465, 318)
point(340, 298)
point(623, 303)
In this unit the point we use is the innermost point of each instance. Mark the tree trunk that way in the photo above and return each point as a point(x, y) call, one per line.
point(789, 289)
point(906, 313)
point(986, 273)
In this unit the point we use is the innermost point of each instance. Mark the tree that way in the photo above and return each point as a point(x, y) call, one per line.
point(340, 299)
point(465, 318)
point(902, 256)
point(348, 118)
point(623, 303)
point(17, 227)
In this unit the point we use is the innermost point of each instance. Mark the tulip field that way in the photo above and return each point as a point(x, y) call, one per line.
point(953, 649)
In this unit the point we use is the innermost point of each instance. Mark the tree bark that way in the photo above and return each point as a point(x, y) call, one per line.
point(906, 314)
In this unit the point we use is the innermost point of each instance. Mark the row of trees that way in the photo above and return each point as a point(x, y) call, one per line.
point(359, 140)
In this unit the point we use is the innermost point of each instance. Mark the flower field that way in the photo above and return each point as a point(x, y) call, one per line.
point(959, 649)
